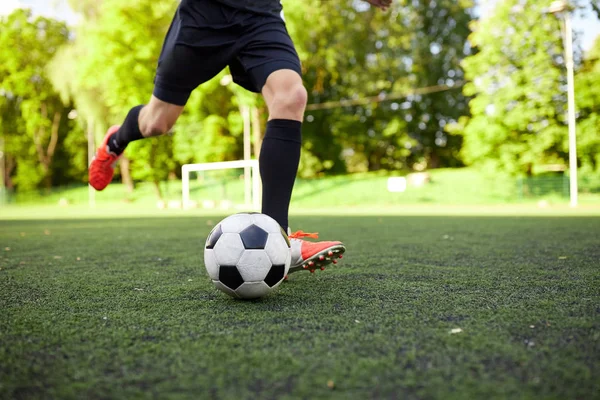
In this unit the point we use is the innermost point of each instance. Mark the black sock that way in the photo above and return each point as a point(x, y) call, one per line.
point(128, 132)
point(278, 164)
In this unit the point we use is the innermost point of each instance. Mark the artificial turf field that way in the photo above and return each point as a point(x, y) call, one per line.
point(122, 308)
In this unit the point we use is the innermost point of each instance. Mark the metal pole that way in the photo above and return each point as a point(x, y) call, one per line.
point(91, 153)
point(247, 154)
point(573, 189)
point(185, 187)
point(2, 171)
point(256, 192)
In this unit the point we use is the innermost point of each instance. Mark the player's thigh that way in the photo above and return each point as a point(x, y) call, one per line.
point(267, 49)
point(190, 56)
point(182, 69)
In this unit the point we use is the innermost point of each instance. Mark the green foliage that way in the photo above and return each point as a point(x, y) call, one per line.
point(518, 84)
point(71, 156)
point(587, 100)
point(126, 39)
point(33, 117)
point(439, 32)
point(348, 49)
point(153, 159)
point(210, 128)
point(112, 63)
point(515, 81)
point(352, 51)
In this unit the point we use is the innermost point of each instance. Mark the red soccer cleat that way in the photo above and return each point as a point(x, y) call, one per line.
point(312, 255)
point(102, 167)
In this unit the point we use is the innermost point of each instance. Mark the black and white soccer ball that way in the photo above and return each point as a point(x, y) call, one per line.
point(247, 255)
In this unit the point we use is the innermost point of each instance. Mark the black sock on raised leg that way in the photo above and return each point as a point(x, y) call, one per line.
point(127, 133)
point(278, 164)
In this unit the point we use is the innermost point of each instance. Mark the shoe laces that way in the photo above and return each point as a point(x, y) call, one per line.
point(302, 234)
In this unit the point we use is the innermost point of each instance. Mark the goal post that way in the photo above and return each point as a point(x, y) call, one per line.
point(251, 179)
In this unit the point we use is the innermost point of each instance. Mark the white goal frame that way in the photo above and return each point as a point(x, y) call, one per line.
point(251, 180)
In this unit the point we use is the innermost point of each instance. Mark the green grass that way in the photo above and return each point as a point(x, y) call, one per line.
point(122, 308)
point(447, 187)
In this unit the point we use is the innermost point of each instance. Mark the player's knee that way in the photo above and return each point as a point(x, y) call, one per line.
point(297, 97)
point(290, 100)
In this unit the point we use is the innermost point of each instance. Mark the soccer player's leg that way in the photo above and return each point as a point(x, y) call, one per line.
point(279, 158)
point(155, 118)
point(181, 68)
point(271, 65)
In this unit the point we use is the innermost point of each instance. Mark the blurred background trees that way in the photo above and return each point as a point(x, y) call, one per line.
point(518, 86)
point(428, 84)
point(33, 117)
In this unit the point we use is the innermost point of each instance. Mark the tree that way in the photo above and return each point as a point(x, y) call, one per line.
point(33, 116)
point(210, 127)
point(348, 51)
point(439, 31)
point(110, 38)
point(587, 99)
point(352, 52)
point(517, 79)
point(9, 124)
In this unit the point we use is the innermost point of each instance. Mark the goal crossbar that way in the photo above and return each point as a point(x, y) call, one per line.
point(251, 179)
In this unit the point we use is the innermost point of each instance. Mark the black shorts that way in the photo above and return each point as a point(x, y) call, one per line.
point(206, 36)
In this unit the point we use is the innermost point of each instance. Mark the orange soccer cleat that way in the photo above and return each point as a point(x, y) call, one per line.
point(312, 255)
point(102, 167)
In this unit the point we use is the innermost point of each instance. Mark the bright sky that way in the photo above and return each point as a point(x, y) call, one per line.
point(51, 8)
point(587, 25)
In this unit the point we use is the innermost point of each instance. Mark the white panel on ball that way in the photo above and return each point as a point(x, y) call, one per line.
point(211, 264)
point(236, 223)
point(229, 249)
point(277, 249)
point(225, 289)
point(254, 265)
point(253, 290)
point(267, 223)
point(288, 262)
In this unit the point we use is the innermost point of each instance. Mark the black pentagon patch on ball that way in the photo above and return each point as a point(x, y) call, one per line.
point(276, 273)
point(230, 277)
point(254, 237)
point(213, 236)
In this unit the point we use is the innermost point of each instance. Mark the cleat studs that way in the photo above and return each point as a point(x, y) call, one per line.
point(334, 261)
point(321, 257)
point(330, 253)
point(311, 263)
point(305, 266)
point(322, 268)
point(312, 271)
point(340, 256)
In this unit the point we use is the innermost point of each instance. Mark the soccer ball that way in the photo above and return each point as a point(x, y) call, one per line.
point(247, 255)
